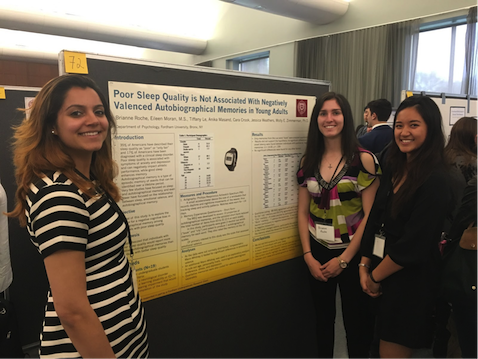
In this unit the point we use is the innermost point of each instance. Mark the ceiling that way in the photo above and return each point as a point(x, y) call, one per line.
point(318, 12)
point(182, 26)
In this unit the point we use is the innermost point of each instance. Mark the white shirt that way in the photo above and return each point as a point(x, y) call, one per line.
point(6, 275)
point(380, 124)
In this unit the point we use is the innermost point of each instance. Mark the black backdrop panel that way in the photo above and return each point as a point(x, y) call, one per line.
point(266, 312)
point(29, 287)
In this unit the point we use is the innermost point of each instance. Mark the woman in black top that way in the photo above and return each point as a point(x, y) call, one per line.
point(400, 243)
point(464, 307)
point(460, 150)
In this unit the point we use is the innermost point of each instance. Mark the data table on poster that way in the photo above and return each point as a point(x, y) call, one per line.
point(196, 166)
point(279, 176)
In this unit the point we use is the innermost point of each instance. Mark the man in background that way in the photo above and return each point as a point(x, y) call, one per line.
point(363, 129)
point(376, 114)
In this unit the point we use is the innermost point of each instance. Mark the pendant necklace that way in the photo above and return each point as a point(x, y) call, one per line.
point(330, 164)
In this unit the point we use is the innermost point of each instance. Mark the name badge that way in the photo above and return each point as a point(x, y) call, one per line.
point(324, 230)
point(379, 246)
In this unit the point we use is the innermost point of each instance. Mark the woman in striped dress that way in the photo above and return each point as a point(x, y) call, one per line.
point(337, 187)
point(66, 199)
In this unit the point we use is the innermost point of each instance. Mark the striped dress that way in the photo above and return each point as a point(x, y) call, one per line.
point(60, 216)
point(339, 201)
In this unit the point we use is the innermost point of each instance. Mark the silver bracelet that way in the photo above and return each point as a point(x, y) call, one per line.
point(364, 265)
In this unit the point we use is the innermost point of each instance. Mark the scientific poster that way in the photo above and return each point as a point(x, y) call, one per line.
point(208, 180)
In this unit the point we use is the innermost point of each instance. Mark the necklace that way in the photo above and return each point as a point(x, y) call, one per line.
point(326, 187)
point(330, 163)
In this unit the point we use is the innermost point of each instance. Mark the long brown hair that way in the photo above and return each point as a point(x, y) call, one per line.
point(462, 141)
point(36, 150)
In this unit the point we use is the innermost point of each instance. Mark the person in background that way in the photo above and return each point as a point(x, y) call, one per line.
point(337, 182)
point(377, 113)
point(362, 129)
point(460, 153)
point(66, 199)
point(464, 310)
point(400, 256)
point(460, 150)
point(6, 274)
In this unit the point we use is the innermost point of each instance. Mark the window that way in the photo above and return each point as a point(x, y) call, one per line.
point(256, 63)
point(259, 66)
point(441, 56)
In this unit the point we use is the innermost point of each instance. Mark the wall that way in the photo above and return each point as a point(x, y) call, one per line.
point(25, 73)
point(281, 60)
point(21, 68)
point(241, 30)
point(168, 57)
point(29, 72)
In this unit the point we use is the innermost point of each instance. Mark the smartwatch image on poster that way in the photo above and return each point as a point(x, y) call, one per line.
point(230, 159)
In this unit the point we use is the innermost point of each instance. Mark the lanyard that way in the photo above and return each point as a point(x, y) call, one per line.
point(123, 217)
point(326, 187)
point(336, 168)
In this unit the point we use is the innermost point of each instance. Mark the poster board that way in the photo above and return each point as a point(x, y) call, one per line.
point(28, 289)
point(254, 313)
point(207, 163)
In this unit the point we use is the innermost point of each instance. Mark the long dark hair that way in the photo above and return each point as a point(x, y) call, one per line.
point(37, 150)
point(424, 160)
point(315, 139)
point(462, 141)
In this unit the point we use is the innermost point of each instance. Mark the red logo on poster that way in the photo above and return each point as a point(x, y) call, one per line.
point(300, 108)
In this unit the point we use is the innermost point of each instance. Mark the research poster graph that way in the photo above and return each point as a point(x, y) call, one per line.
point(208, 180)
